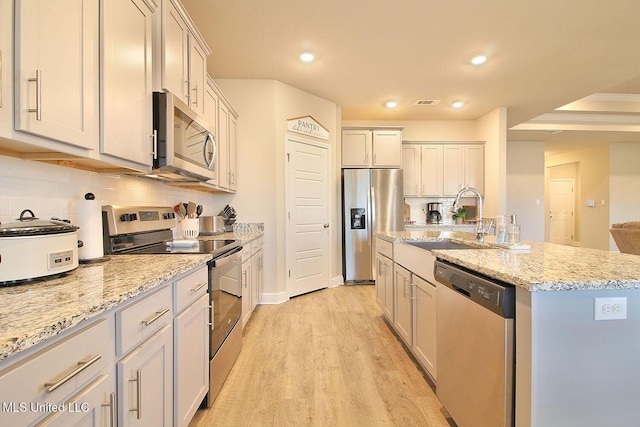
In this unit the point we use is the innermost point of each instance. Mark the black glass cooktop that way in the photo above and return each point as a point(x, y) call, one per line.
point(213, 247)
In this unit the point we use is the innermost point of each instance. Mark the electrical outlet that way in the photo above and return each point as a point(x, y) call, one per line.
point(610, 308)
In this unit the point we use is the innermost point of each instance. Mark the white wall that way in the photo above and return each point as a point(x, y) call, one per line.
point(53, 191)
point(264, 107)
point(525, 187)
point(492, 128)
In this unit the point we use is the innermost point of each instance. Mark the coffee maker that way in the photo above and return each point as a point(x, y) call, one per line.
point(433, 213)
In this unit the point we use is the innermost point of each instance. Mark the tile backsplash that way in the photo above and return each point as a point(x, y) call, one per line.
point(53, 191)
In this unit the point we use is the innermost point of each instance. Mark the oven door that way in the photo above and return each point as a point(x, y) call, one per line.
point(225, 287)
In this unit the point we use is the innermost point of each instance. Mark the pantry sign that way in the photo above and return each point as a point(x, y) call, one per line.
point(307, 125)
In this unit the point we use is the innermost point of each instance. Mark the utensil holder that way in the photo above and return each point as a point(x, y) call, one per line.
point(190, 227)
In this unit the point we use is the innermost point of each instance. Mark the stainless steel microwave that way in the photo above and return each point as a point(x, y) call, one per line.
point(185, 147)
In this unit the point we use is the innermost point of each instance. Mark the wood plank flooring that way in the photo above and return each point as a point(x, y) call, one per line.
point(324, 359)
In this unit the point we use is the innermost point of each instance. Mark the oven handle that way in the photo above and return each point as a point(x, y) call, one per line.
point(230, 256)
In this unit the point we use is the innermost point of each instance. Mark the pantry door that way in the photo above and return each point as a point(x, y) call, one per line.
point(308, 203)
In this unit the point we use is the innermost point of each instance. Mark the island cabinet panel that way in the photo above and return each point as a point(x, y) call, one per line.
point(424, 324)
point(402, 303)
point(57, 372)
point(56, 70)
point(384, 285)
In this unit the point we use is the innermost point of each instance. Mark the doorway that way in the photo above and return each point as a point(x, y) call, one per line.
point(561, 211)
point(308, 212)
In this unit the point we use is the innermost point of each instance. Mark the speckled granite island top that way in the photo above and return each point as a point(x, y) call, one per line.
point(32, 312)
point(544, 267)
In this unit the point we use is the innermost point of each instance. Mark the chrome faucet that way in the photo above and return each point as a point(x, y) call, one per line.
point(481, 231)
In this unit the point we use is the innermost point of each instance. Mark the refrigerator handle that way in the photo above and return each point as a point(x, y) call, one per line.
point(372, 213)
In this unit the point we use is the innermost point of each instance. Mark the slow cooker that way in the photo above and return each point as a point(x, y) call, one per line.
point(33, 248)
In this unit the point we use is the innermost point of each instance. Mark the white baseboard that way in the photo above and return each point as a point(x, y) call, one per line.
point(336, 281)
point(274, 297)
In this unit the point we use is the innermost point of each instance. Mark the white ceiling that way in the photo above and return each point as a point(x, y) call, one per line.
point(542, 54)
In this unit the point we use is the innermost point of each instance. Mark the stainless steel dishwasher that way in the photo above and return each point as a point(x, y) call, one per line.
point(475, 346)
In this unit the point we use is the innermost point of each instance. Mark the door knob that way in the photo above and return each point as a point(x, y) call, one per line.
point(326, 226)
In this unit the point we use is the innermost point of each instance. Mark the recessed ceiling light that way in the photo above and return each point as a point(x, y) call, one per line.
point(391, 104)
point(307, 57)
point(458, 104)
point(480, 59)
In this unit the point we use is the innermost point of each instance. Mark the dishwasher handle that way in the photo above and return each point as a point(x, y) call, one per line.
point(458, 289)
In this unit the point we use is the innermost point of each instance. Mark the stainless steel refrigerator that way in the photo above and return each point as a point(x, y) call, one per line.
point(372, 201)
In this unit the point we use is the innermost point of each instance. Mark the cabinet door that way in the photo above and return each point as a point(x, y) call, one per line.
point(387, 266)
point(191, 360)
point(474, 166)
point(255, 279)
point(93, 406)
point(246, 292)
point(402, 293)
point(424, 324)
point(411, 169)
point(431, 170)
point(56, 70)
point(197, 75)
point(224, 177)
point(145, 382)
point(387, 149)
point(452, 169)
point(126, 93)
point(175, 53)
point(233, 124)
point(356, 148)
point(380, 285)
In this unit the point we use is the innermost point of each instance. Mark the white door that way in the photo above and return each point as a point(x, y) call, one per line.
point(561, 200)
point(308, 230)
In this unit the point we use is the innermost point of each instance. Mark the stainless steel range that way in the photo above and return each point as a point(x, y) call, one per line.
point(147, 230)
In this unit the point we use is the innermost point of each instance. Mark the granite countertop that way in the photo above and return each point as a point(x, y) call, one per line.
point(543, 267)
point(35, 311)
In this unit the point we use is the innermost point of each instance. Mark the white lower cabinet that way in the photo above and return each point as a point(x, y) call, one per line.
point(402, 288)
point(252, 277)
point(414, 314)
point(384, 285)
point(191, 355)
point(145, 382)
point(424, 324)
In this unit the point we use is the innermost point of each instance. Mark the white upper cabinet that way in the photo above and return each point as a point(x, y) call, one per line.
point(126, 83)
point(435, 170)
point(180, 55)
point(56, 70)
point(362, 148)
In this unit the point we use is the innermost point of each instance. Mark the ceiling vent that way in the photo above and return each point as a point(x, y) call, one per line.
point(427, 101)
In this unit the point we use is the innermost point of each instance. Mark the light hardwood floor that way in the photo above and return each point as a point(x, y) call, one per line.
point(324, 359)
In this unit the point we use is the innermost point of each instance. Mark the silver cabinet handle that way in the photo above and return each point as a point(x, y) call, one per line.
point(374, 158)
point(154, 142)
point(416, 188)
point(196, 91)
point(138, 381)
point(112, 409)
point(82, 365)
point(188, 93)
point(414, 294)
point(158, 314)
point(38, 109)
point(198, 287)
point(244, 279)
point(210, 308)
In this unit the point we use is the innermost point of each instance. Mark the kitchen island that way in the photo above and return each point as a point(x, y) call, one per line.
point(571, 370)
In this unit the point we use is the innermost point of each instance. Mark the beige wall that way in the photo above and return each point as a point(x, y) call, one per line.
point(525, 187)
point(593, 177)
point(264, 107)
point(492, 128)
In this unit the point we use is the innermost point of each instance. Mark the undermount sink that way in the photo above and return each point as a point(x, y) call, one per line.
point(440, 244)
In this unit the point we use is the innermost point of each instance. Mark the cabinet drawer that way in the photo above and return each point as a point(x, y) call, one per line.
point(188, 289)
point(384, 247)
point(141, 319)
point(54, 373)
